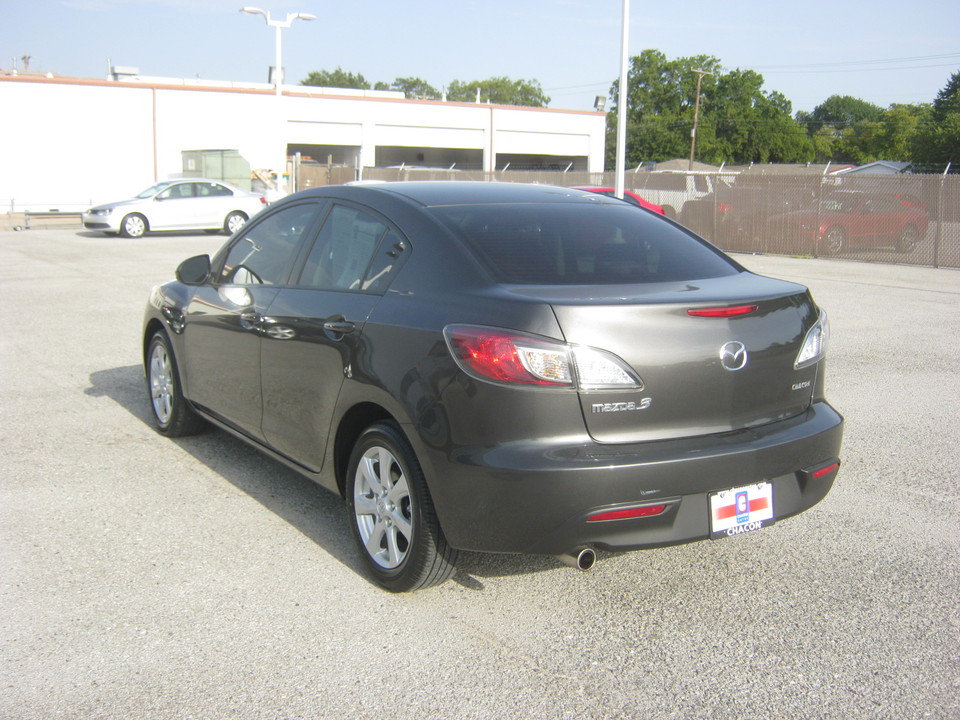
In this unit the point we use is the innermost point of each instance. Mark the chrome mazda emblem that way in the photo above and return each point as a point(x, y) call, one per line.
point(733, 356)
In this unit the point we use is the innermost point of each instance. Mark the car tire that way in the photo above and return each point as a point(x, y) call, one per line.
point(391, 514)
point(172, 415)
point(909, 238)
point(234, 222)
point(134, 225)
point(834, 241)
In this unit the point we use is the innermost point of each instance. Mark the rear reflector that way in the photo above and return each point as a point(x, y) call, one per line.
point(825, 471)
point(817, 474)
point(628, 513)
point(723, 312)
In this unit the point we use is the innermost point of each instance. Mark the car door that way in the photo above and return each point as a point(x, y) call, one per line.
point(888, 219)
point(313, 332)
point(173, 208)
point(225, 319)
point(861, 221)
point(212, 204)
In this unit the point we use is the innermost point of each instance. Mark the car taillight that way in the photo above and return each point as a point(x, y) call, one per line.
point(815, 343)
point(512, 358)
point(723, 207)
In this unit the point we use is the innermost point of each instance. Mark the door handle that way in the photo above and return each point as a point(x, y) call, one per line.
point(339, 326)
point(251, 320)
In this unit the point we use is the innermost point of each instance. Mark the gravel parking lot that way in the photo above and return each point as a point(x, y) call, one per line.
point(149, 578)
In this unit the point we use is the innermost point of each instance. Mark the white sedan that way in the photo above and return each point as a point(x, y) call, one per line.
point(187, 204)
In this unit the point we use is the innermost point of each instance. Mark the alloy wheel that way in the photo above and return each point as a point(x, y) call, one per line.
point(161, 383)
point(383, 507)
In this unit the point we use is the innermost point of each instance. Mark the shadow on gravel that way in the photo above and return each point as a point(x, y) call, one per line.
point(317, 513)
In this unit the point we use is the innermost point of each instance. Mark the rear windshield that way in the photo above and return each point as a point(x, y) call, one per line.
point(581, 244)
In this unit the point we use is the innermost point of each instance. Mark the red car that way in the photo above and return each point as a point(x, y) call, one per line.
point(628, 196)
point(845, 219)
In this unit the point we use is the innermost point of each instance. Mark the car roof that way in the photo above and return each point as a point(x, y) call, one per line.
point(445, 192)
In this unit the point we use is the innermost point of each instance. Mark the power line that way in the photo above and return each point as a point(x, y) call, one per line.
point(877, 69)
point(810, 68)
point(851, 63)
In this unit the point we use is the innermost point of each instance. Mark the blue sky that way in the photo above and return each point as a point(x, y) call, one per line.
point(883, 51)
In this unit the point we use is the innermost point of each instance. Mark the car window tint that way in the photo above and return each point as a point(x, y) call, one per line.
point(177, 192)
point(263, 254)
point(557, 244)
point(885, 205)
point(343, 250)
point(211, 190)
point(385, 262)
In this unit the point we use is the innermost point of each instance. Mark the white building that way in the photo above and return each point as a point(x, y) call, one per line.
point(69, 142)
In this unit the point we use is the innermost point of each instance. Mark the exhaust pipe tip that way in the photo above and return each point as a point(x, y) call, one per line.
point(582, 559)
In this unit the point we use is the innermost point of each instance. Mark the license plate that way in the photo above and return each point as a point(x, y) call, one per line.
point(741, 510)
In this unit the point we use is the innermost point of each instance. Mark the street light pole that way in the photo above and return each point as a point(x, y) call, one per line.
point(278, 57)
point(622, 98)
point(278, 26)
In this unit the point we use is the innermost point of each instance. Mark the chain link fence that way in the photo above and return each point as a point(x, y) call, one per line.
point(901, 218)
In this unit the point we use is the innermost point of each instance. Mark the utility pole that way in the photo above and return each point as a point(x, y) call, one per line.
point(696, 116)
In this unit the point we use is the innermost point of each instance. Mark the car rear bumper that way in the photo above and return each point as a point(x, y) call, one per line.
point(536, 497)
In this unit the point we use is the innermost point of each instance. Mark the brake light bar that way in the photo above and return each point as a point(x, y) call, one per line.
point(723, 312)
point(646, 511)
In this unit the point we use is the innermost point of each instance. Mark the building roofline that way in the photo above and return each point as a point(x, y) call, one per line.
point(265, 89)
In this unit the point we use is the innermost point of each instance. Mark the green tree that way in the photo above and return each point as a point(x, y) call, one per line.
point(824, 140)
point(753, 125)
point(499, 91)
point(938, 140)
point(415, 89)
point(899, 124)
point(338, 78)
point(843, 111)
point(844, 129)
point(738, 122)
point(660, 105)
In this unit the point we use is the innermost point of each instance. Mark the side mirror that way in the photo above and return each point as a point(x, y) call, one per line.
point(195, 270)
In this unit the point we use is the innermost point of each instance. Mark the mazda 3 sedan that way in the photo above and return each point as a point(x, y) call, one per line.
point(501, 368)
point(191, 204)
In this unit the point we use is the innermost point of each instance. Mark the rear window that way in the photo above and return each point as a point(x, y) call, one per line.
point(579, 244)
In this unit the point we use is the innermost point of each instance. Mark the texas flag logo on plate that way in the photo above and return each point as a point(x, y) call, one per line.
point(741, 510)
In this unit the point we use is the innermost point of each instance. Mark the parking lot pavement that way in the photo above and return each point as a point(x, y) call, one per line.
point(149, 578)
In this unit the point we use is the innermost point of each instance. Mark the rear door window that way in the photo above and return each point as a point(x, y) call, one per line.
point(355, 250)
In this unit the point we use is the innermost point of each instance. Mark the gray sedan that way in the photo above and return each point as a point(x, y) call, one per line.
point(191, 204)
point(502, 368)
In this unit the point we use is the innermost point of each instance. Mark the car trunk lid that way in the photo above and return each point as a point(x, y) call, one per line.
point(705, 369)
